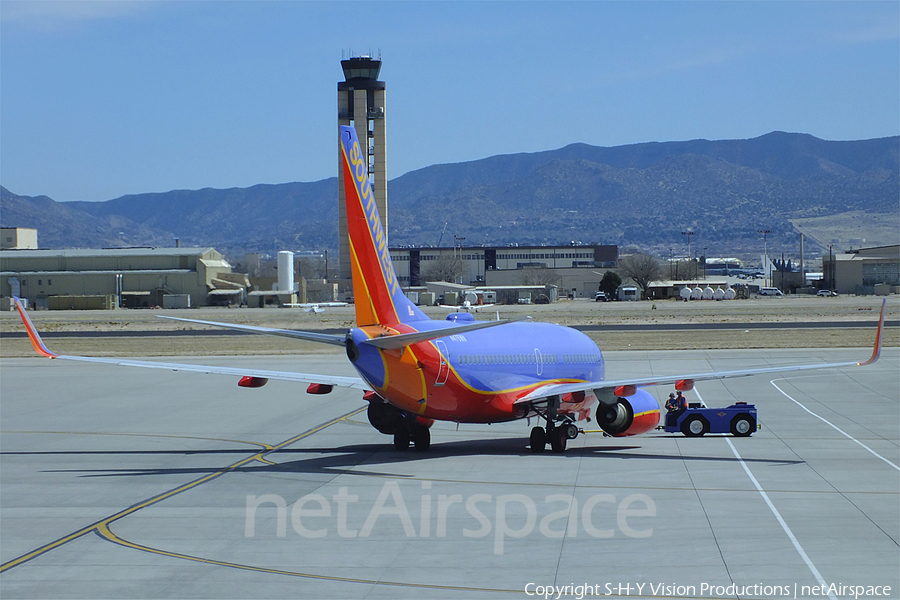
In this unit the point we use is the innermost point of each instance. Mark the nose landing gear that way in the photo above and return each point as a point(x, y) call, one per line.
point(558, 434)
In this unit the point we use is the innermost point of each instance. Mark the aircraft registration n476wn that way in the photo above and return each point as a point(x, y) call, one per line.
point(414, 370)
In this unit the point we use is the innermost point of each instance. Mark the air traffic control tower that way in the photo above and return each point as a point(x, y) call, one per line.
point(361, 104)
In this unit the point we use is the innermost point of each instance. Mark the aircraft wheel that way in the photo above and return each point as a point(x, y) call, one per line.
point(538, 439)
point(401, 437)
point(421, 438)
point(694, 426)
point(558, 439)
point(743, 425)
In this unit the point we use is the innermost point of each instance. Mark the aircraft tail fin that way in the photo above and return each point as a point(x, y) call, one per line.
point(379, 300)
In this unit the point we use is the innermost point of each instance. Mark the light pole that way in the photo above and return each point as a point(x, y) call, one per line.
point(704, 262)
point(458, 240)
point(765, 232)
point(690, 254)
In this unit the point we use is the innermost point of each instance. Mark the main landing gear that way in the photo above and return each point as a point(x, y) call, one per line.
point(555, 433)
point(419, 435)
point(391, 421)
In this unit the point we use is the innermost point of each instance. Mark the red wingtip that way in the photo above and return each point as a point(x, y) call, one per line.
point(33, 334)
point(876, 351)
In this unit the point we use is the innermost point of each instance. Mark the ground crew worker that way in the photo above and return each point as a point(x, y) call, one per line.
point(671, 410)
point(671, 404)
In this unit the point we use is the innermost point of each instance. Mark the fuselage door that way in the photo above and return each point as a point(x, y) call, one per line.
point(443, 366)
point(538, 361)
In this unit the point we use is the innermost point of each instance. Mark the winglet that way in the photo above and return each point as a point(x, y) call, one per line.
point(33, 334)
point(876, 351)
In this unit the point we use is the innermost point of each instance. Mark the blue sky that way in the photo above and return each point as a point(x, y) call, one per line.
point(102, 99)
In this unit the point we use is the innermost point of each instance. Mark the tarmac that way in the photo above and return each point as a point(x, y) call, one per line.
point(136, 483)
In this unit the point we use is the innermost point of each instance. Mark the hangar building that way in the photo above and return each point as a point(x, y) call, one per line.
point(128, 277)
point(861, 271)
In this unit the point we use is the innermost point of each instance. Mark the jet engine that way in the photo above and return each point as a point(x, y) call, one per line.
point(636, 414)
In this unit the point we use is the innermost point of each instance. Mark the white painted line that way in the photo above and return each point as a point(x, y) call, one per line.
point(830, 423)
point(777, 514)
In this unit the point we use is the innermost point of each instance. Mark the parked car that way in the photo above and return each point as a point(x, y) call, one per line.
point(826, 293)
point(600, 297)
point(770, 291)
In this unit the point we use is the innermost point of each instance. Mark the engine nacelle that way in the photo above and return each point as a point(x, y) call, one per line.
point(636, 414)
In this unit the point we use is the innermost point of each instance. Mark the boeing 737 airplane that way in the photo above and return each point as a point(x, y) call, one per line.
point(414, 370)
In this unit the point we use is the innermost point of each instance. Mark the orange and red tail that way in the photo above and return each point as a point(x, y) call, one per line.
point(378, 296)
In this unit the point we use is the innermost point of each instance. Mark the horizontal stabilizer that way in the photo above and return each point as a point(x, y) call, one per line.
point(310, 336)
point(395, 342)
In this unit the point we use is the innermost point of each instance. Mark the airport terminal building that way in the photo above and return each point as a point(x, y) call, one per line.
point(567, 267)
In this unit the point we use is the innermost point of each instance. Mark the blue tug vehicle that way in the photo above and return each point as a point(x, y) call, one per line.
point(739, 419)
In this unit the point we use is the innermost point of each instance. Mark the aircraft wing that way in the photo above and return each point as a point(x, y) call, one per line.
point(255, 374)
point(626, 387)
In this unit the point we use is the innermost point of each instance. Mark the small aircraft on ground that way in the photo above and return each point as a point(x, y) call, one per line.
point(466, 306)
point(414, 370)
point(316, 307)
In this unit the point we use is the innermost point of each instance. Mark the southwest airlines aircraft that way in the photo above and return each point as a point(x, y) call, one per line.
point(414, 370)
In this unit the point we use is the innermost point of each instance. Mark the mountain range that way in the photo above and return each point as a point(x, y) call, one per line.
point(641, 195)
